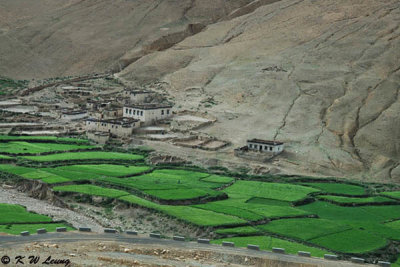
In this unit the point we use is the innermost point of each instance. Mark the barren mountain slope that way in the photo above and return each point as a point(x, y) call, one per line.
point(323, 75)
point(48, 38)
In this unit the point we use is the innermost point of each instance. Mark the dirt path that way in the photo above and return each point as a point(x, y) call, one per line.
point(13, 196)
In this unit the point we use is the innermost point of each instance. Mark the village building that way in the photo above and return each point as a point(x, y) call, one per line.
point(68, 115)
point(148, 113)
point(275, 147)
point(122, 127)
point(136, 95)
point(260, 150)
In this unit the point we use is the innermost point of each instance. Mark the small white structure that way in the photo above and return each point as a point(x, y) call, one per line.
point(136, 96)
point(274, 147)
point(148, 113)
point(68, 115)
point(122, 127)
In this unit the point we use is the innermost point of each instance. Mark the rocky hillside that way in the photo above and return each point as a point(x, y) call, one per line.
point(322, 75)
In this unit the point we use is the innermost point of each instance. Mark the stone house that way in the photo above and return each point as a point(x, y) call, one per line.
point(148, 113)
point(136, 96)
point(122, 127)
point(275, 147)
point(100, 138)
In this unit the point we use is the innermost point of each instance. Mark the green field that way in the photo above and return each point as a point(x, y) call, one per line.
point(268, 242)
point(246, 211)
point(244, 230)
point(304, 228)
point(16, 229)
point(357, 200)
point(169, 184)
point(337, 188)
point(91, 190)
point(11, 214)
point(395, 194)
point(286, 192)
point(21, 147)
point(85, 156)
point(187, 213)
point(42, 138)
point(351, 241)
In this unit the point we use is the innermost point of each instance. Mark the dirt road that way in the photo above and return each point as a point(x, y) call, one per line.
point(87, 249)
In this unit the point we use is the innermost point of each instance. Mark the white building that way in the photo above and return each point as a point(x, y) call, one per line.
point(136, 96)
point(122, 127)
point(148, 113)
point(274, 147)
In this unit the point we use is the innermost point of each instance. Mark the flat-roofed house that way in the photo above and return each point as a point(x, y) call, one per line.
point(274, 147)
point(148, 113)
point(136, 95)
point(121, 127)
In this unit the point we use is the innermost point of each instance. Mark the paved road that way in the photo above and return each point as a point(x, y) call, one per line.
point(7, 242)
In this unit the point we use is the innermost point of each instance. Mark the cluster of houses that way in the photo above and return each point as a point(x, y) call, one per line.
point(123, 118)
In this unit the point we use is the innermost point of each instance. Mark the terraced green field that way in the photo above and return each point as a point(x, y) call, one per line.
point(17, 214)
point(286, 192)
point(21, 147)
point(187, 213)
point(42, 138)
point(238, 209)
point(85, 155)
point(357, 200)
point(337, 188)
point(304, 228)
point(169, 184)
point(395, 194)
point(91, 190)
point(15, 219)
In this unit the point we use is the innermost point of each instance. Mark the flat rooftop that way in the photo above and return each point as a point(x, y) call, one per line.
point(265, 142)
point(149, 106)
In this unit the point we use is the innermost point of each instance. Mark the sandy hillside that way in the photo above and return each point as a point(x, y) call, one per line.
point(321, 75)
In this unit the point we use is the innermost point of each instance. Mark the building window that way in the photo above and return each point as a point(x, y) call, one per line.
point(250, 146)
point(167, 111)
point(162, 112)
point(270, 148)
point(134, 112)
point(141, 113)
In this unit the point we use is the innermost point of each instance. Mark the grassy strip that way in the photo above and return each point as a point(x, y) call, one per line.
point(338, 188)
point(11, 214)
point(42, 138)
point(91, 190)
point(20, 147)
point(84, 156)
point(268, 242)
point(243, 230)
point(357, 200)
point(16, 229)
point(351, 241)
